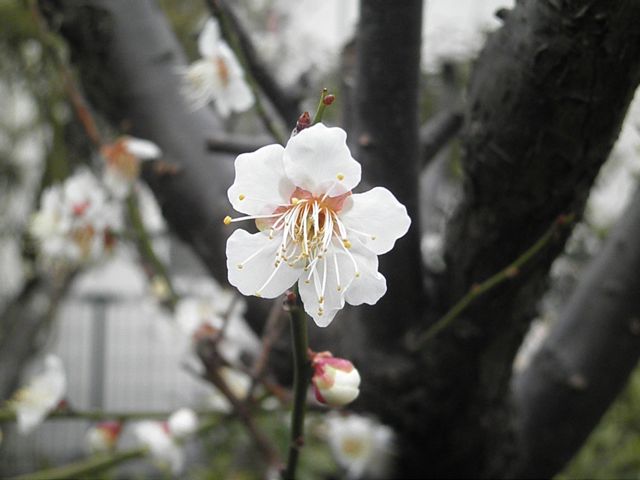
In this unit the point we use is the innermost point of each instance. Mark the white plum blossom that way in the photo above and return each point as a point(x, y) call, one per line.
point(312, 228)
point(163, 448)
point(41, 396)
point(239, 384)
point(360, 445)
point(122, 159)
point(76, 222)
point(182, 423)
point(217, 76)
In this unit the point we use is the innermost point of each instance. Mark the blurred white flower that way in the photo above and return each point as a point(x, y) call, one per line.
point(182, 423)
point(42, 395)
point(432, 247)
point(362, 446)
point(103, 437)
point(76, 222)
point(122, 159)
point(217, 76)
point(165, 451)
point(313, 229)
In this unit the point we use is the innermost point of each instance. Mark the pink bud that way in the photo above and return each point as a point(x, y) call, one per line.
point(329, 99)
point(335, 380)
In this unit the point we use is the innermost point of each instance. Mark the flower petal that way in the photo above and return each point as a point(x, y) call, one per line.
point(370, 285)
point(318, 160)
point(260, 184)
point(377, 218)
point(256, 254)
point(209, 38)
point(142, 149)
point(311, 291)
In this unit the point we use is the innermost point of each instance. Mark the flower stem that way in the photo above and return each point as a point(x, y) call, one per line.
point(143, 242)
point(503, 275)
point(322, 106)
point(301, 374)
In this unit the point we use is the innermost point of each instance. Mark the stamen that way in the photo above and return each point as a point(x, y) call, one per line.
point(335, 263)
point(273, 274)
point(251, 257)
point(227, 220)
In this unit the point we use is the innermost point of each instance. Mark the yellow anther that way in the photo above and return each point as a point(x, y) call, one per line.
point(373, 237)
point(240, 266)
point(339, 288)
point(357, 274)
point(294, 201)
point(346, 243)
point(227, 220)
point(307, 282)
point(321, 300)
point(340, 176)
point(241, 197)
point(258, 294)
point(320, 313)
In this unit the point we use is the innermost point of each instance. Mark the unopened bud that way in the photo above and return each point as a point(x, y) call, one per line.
point(335, 380)
point(304, 121)
point(329, 99)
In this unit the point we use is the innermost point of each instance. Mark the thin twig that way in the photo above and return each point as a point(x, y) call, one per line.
point(477, 290)
point(286, 105)
point(272, 331)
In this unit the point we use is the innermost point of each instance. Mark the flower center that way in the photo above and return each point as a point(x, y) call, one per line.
point(223, 71)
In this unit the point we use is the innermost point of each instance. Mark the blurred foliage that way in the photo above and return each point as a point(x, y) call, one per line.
point(613, 449)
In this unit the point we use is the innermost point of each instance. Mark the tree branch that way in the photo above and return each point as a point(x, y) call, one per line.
point(387, 144)
point(438, 131)
point(587, 357)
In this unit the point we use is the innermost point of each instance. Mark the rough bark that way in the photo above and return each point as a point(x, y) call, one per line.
point(587, 357)
point(546, 101)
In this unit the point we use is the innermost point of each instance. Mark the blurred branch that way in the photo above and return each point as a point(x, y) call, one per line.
point(100, 463)
point(236, 144)
point(587, 357)
point(287, 105)
point(438, 131)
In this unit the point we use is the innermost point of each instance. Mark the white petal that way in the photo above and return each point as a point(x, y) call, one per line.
point(260, 181)
point(370, 285)
point(254, 275)
point(222, 105)
point(239, 95)
point(318, 160)
point(378, 216)
point(209, 38)
point(310, 287)
point(142, 149)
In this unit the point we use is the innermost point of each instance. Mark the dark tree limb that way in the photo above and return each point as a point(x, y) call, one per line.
point(545, 105)
point(438, 131)
point(387, 143)
point(286, 104)
point(587, 357)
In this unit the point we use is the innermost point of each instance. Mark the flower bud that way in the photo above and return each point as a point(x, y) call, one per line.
point(335, 380)
point(103, 437)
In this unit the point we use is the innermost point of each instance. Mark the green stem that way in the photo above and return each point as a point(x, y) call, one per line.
point(300, 385)
point(86, 468)
point(145, 247)
point(503, 275)
point(100, 463)
point(8, 415)
point(317, 118)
